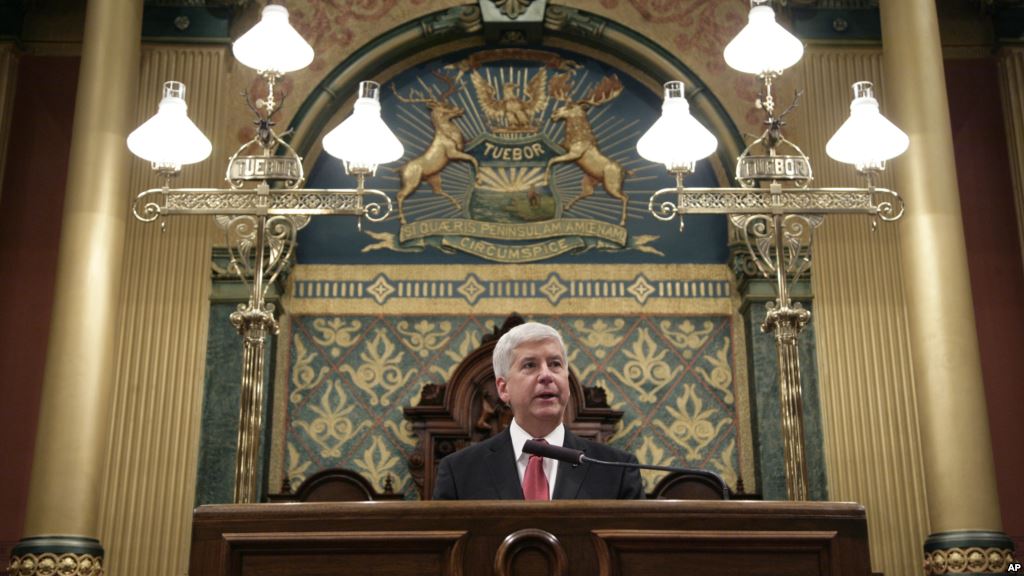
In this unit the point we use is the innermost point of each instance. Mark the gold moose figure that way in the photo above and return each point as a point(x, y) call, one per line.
point(445, 147)
point(581, 144)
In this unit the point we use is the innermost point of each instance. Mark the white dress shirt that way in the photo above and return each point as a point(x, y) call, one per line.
point(520, 436)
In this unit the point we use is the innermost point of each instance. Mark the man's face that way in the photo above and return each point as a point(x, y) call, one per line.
point(537, 386)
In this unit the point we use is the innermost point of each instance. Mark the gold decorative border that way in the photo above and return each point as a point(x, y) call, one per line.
point(49, 564)
point(501, 289)
point(973, 560)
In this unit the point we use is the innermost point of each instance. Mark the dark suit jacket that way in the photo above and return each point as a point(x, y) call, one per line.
point(487, 471)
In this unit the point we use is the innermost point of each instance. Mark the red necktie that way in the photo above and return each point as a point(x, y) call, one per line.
point(535, 483)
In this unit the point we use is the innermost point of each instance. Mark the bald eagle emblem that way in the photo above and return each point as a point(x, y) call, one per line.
point(514, 111)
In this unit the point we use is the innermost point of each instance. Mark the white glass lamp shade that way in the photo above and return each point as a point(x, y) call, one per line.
point(867, 139)
point(763, 46)
point(677, 139)
point(363, 140)
point(169, 138)
point(272, 45)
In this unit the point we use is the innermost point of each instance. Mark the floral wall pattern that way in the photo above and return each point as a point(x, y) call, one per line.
point(348, 378)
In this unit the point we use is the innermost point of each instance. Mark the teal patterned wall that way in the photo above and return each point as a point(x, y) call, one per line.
point(687, 365)
point(357, 346)
point(350, 376)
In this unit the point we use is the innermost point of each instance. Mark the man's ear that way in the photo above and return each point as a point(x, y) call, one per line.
point(502, 386)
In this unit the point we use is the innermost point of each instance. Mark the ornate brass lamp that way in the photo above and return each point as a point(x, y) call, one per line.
point(264, 206)
point(774, 210)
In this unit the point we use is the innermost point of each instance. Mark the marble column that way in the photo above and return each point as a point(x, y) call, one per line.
point(963, 505)
point(61, 530)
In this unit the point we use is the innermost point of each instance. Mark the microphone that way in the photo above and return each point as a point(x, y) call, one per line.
point(577, 457)
point(560, 453)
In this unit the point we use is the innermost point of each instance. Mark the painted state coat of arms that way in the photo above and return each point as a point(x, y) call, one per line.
point(512, 156)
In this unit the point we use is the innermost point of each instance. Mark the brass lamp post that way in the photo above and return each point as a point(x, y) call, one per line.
point(264, 206)
point(774, 210)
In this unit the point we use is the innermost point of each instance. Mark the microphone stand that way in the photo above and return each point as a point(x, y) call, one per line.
point(576, 457)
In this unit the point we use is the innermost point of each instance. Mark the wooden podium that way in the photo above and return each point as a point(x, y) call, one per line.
point(584, 538)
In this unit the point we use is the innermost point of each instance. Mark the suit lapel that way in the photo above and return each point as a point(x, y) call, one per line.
point(570, 477)
point(501, 461)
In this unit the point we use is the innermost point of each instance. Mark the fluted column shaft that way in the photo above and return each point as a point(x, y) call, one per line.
point(71, 442)
point(943, 335)
point(958, 464)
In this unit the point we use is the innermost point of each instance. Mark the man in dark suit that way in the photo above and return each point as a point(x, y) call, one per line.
point(532, 376)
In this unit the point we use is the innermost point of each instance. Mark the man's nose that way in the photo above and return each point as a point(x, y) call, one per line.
point(545, 372)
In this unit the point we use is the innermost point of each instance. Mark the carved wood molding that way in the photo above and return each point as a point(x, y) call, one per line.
point(334, 485)
point(530, 540)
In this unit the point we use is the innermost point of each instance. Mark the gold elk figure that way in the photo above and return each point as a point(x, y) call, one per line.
point(445, 147)
point(581, 144)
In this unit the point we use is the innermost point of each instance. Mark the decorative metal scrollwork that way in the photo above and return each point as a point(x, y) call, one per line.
point(665, 209)
point(151, 204)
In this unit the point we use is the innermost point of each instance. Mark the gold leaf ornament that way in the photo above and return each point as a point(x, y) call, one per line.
point(581, 373)
point(305, 375)
point(725, 464)
point(425, 337)
point(600, 335)
point(336, 333)
point(381, 367)
point(652, 454)
point(686, 336)
point(720, 376)
point(332, 427)
point(296, 467)
point(470, 340)
point(378, 462)
point(402, 432)
point(692, 427)
point(454, 355)
point(646, 371)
